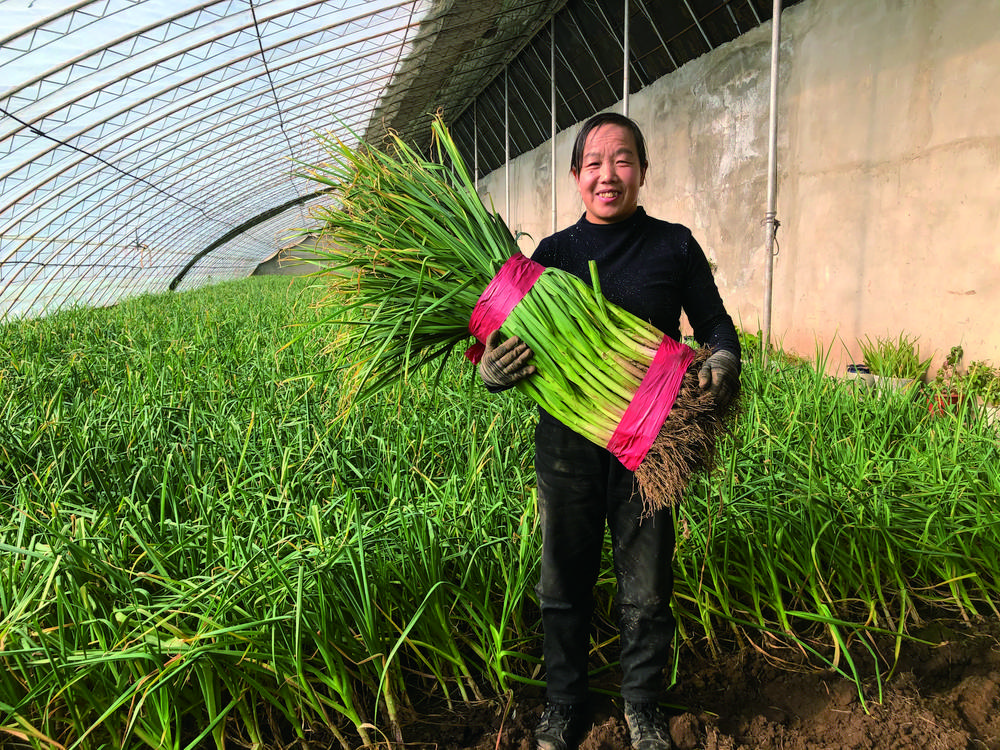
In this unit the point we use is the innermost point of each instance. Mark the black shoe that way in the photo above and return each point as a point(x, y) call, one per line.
point(647, 726)
point(561, 726)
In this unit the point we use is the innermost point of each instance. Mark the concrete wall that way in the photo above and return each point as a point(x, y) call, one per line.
point(889, 173)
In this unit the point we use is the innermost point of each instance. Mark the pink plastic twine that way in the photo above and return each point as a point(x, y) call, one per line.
point(512, 282)
point(652, 402)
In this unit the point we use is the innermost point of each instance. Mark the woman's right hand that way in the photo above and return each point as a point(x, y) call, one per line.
point(504, 363)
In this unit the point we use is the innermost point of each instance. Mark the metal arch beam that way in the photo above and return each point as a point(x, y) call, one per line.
point(382, 5)
point(489, 103)
point(499, 120)
point(141, 146)
point(697, 22)
point(152, 96)
point(659, 36)
point(211, 158)
point(732, 17)
point(238, 230)
point(178, 107)
point(116, 208)
point(222, 260)
point(204, 114)
point(98, 282)
point(186, 155)
point(550, 64)
point(622, 43)
point(218, 187)
point(181, 230)
point(4, 41)
point(496, 54)
point(271, 198)
point(119, 40)
point(590, 49)
point(666, 32)
point(96, 222)
point(541, 97)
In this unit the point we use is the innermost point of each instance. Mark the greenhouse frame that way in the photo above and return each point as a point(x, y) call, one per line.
point(152, 145)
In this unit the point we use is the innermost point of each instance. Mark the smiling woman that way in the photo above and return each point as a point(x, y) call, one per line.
point(609, 166)
point(653, 269)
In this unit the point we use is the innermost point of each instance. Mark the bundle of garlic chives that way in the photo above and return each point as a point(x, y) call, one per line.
point(606, 374)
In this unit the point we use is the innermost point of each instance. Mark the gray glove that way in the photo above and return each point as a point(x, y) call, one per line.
point(504, 362)
point(721, 376)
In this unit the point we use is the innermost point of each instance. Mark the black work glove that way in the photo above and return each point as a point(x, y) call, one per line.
point(504, 362)
point(721, 376)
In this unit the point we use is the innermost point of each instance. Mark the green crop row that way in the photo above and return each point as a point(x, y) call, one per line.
point(199, 546)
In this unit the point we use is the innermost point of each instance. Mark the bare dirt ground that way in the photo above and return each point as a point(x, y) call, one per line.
point(940, 697)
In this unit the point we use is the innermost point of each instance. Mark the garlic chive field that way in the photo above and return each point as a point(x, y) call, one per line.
point(200, 547)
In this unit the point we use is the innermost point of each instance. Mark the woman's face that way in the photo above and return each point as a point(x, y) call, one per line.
point(610, 176)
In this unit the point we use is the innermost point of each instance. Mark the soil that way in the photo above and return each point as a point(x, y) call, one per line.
point(943, 695)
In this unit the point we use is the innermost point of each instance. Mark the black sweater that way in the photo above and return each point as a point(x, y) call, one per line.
point(649, 267)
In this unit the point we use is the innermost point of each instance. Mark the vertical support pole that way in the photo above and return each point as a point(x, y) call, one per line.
point(552, 107)
point(506, 144)
point(475, 141)
point(625, 47)
point(770, 218)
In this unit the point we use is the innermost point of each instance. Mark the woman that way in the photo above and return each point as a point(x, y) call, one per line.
point(653, 269)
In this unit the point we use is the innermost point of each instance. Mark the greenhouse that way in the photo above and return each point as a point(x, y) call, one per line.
point(254, 492)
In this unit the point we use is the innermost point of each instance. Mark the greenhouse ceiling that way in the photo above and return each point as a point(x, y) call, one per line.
point(150, 145)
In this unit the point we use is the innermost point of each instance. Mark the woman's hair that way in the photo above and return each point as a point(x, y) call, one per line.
point(608, 118)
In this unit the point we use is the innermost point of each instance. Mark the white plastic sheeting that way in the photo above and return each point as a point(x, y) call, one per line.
point(137, 133)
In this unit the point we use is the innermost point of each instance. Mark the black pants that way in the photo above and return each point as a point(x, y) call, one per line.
point(582, 486)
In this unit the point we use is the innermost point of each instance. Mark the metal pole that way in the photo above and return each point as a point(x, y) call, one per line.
point(506, 144)
point(770, 218)
point(475, 140)
point(552, 105)
point(625, 35)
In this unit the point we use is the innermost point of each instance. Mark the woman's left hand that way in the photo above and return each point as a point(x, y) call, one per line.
point(721, 376)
